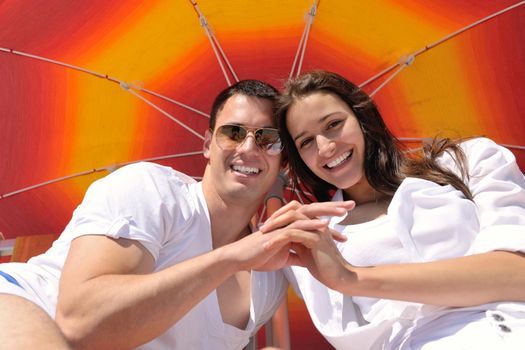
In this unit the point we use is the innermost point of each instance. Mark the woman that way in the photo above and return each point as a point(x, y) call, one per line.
point(434, 251)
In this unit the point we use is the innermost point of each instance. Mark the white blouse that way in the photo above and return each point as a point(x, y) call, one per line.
point(427, 222)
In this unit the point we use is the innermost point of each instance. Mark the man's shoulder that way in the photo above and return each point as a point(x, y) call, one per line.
point(143, 182)
point(153, 171)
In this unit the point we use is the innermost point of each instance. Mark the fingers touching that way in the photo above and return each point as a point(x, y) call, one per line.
point(294, 211)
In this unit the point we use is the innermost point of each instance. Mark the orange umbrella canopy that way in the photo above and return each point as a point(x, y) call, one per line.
point(104, 96)
point(58, 120)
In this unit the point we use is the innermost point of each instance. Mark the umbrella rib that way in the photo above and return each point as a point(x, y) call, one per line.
point(217, 56)
point(109, 168)
point(311, 16)
point(224, 56)
point(513, 146)
point(378, 75)
point(217, 49)
point(297, 52)
point(175, 102)
point(125, 86)
point(422, 139)
point(169, 156)
point(133, 92)
point(470, 26)
point(99, 75)
point(28, 188)
point(67, 65)
point(389, 79)
point(440, 41)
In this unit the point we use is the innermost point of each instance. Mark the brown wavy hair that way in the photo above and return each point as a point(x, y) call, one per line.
point(387, 160)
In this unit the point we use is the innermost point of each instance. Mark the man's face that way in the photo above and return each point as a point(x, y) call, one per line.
point(245, 172)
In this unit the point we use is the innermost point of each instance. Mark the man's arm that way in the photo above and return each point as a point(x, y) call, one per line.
point(109, 297)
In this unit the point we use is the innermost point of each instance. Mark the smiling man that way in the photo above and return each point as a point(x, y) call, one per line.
point(154, 260)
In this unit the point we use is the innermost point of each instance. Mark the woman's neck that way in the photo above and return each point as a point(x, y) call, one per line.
point(370, 204)
point(361, 193)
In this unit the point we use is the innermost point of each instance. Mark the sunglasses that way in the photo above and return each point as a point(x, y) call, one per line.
point(230, 136)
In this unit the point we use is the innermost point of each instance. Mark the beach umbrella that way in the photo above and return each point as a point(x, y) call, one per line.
point(88, 86)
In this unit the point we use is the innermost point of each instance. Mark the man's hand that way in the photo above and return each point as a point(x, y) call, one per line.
point(253, 252)
point(295, 211)
point(314, 249)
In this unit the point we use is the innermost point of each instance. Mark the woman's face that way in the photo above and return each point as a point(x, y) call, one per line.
point(328, 137)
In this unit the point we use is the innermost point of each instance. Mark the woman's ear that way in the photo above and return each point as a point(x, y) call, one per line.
point(207, 143)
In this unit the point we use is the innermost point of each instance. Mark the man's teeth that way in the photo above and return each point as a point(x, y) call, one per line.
point(245, 169)
point(339, 160)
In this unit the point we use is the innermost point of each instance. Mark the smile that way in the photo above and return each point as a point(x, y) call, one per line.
point(245, 169)
point(343, 157)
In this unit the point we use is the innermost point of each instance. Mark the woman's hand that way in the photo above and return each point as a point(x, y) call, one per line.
point(294, 211)
point(313, 249)
point(252, 252)
point(316, 250)
point(270, 248)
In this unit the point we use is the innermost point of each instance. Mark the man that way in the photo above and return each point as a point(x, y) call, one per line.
point(152, 259)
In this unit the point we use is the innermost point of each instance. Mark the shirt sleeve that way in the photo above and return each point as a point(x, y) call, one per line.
point(498, 188)
point(132, 202)
point(437, 222)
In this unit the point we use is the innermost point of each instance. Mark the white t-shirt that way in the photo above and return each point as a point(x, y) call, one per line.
point(427, 222)
point(166, 211)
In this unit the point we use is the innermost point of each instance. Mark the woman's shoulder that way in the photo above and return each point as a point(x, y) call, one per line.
point(478, 143)
point(484, 146)
point(479, 152)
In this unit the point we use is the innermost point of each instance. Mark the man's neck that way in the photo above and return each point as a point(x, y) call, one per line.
point(230, 218)
point(228, 224)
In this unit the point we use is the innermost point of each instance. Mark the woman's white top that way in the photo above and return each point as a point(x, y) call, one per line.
point(427, 222)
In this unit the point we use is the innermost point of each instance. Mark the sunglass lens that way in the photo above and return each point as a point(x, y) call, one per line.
point(229, 136)
point(269, 140)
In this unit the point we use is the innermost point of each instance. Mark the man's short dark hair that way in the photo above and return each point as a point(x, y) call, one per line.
point(255, 88)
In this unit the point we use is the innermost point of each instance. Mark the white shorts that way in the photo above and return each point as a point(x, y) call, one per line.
point(10, 287)
point(31, 287)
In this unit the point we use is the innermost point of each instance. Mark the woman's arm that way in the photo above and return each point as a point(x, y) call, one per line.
point(463, 281)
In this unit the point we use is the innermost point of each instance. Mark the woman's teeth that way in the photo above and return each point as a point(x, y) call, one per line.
point(339, 160)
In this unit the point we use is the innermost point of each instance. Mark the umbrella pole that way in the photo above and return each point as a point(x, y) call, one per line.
point(277, 330)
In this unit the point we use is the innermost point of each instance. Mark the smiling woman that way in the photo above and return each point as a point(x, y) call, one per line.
point(414, 272)
point(328, 138)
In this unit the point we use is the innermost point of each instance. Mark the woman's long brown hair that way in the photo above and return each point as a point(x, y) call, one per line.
point(387, 161)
